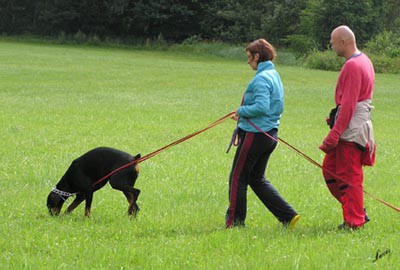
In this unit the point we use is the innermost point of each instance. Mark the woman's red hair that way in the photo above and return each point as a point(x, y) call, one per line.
point(264, 49)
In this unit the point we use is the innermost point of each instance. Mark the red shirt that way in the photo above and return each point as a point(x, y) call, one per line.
point(355, 84)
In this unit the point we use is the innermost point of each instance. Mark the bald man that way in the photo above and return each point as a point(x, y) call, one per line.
point(350, 143)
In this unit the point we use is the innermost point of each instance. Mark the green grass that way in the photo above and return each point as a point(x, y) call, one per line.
point(58, 101)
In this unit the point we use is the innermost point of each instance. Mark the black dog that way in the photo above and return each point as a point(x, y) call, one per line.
point(83, 174)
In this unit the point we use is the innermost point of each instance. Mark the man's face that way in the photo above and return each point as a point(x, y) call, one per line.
point(337, 44)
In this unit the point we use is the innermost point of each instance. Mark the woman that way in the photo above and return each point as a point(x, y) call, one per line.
point(262, 105)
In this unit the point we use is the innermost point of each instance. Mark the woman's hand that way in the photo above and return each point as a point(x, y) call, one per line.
point(235, 116)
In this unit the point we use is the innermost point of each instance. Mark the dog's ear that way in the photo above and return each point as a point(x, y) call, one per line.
point(137, 156)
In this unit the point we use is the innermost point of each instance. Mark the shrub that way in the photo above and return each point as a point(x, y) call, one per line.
point(287, 58)
point(384, 51)
point(385, 64)
point(80, 37)
point(192, 40)
point(326, 60)
point(386, 43)
point(301, 44)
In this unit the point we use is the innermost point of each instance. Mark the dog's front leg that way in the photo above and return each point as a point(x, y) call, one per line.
point(88, 204)
point(77, 201)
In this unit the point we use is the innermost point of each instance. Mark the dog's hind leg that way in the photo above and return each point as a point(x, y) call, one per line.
point(124, 182)
point(132, 197)
point(135, 207)
point(77, 201)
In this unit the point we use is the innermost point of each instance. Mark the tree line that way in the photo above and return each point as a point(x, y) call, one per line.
point(300, 24)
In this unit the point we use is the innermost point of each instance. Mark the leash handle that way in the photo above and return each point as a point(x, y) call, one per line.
point(235, 140)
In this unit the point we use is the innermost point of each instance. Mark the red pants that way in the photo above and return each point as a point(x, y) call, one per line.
point(342, 170)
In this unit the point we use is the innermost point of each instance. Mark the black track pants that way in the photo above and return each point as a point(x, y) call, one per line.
point(248, 168)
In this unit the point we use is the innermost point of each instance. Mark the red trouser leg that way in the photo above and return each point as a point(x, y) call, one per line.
point(345, 162)
point(328, 167)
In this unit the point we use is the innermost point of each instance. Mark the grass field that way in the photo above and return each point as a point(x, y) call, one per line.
point(57, 102)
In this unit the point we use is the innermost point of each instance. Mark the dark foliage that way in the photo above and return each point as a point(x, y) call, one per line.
point(301, 23)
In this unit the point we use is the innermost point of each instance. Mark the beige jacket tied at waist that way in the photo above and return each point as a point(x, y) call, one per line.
point(360, 128)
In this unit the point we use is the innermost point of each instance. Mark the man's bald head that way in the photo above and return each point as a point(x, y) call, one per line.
point(343, 41)
point(344, 33)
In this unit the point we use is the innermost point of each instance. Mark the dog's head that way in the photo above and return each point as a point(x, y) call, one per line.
point(55, 202)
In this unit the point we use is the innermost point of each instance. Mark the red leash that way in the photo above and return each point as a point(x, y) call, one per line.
point(137, 161)
point(217, 123)
point(317, 164)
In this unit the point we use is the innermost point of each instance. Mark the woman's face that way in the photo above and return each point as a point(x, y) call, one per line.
point(252, 60)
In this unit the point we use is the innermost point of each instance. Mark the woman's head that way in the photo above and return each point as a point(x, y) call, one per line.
point(260, 50)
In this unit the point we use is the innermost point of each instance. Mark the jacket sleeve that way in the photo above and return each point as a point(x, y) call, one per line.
point(260, 103)
point(351, 84)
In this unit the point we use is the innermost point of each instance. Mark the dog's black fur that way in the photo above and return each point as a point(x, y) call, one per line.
point(86, 170)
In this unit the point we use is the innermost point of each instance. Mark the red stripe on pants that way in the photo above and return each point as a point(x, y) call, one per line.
point(237, 171)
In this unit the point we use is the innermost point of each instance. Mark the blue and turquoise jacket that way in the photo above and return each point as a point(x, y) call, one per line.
point(263, 100)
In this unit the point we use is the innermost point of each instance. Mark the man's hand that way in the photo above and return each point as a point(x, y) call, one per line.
point(330, 142)
point(325, 148)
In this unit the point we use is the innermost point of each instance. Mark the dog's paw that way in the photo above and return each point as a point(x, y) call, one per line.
point(134, 210)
